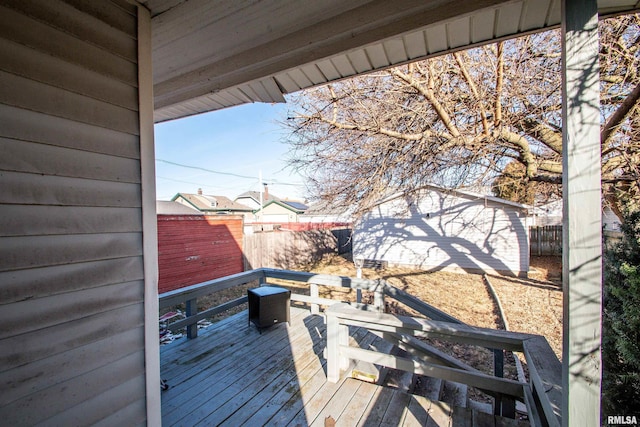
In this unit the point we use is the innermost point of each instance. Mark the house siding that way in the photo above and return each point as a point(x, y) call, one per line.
point(445, 231)
point(276, 213)
point(71, 272)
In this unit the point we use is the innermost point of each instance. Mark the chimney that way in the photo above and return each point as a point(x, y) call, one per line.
point(199, 191)
point(266, 192)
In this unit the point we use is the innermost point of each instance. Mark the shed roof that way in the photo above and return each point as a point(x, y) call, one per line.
point(460, 192)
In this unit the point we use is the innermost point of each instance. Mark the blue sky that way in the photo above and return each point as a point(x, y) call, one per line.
point(242, 140)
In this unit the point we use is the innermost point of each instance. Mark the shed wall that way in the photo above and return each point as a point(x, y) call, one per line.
point(196, 248)
point(71, 270)
point(445, 231)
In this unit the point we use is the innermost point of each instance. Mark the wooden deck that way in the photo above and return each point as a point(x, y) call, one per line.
point(232, 375)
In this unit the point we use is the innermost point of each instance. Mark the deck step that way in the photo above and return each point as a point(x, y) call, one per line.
point(366, 371)
point(454, 394)
point(429, 387)
point(392, 406)
point(510, 422)
point(484, 407)
point(400, 380)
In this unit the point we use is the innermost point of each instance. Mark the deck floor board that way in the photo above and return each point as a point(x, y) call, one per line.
point(232, 375)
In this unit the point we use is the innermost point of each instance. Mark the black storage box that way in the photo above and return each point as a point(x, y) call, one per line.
point(268, 305)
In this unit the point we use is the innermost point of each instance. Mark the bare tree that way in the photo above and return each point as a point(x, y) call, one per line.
point(460, 119)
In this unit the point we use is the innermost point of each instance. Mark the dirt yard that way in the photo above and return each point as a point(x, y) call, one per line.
point(532, 305)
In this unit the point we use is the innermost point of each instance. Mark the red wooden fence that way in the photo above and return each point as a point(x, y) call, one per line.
point(197, 248)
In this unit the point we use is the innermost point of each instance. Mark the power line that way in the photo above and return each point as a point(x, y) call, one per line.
point(274, 181)
point(204, 169)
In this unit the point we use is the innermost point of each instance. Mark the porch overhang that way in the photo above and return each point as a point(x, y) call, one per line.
point(203, 62)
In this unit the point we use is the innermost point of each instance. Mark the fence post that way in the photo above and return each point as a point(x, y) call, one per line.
point(192, 310)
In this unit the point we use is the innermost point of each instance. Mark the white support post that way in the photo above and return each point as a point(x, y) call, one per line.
point(359, 276)
point(149, 219)
point(343, 341)
point(378, 300)
point(333, 348)
point(337, 336)
point(315, 293)
point(582, 211)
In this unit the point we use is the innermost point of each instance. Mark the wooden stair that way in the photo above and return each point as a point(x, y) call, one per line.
point(389, 406)
point(432, 392)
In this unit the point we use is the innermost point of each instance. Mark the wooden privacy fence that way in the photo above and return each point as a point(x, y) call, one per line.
point(195, 248)
point(545, 240)
point(288, 249)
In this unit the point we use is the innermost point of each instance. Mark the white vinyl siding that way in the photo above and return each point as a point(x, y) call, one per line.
point(71, 272)
point(443, 231)
point(276, 218)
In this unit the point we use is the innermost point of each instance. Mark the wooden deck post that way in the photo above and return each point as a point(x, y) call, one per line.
point(333, 348)
point(378, 300)
point(315, 293)
point(582, 211)
point(337, 336)
point(192, 310)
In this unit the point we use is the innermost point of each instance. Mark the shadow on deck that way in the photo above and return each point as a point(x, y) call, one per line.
point(233, 375)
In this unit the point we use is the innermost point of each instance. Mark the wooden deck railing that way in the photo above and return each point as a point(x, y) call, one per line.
point(380, 288)
point(542, 394)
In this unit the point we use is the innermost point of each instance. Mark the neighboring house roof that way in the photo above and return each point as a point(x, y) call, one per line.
point(463, 193)
point(208, 203)
point(164, 207)
point(255, 195)
point(296, 205)
point(292, 206)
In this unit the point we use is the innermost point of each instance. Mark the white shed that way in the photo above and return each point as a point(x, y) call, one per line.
point(446, 229)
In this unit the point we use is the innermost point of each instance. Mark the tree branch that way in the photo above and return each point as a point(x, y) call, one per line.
point(619, 115)
point(428, 93)
point(474, 90)
point(499, 80)
point(522, 145)
point(544, 134)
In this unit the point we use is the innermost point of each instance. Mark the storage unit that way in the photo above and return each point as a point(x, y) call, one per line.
point(441, 229)
point(268, 305)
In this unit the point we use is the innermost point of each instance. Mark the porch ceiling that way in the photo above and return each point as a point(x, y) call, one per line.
point(209, 55)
